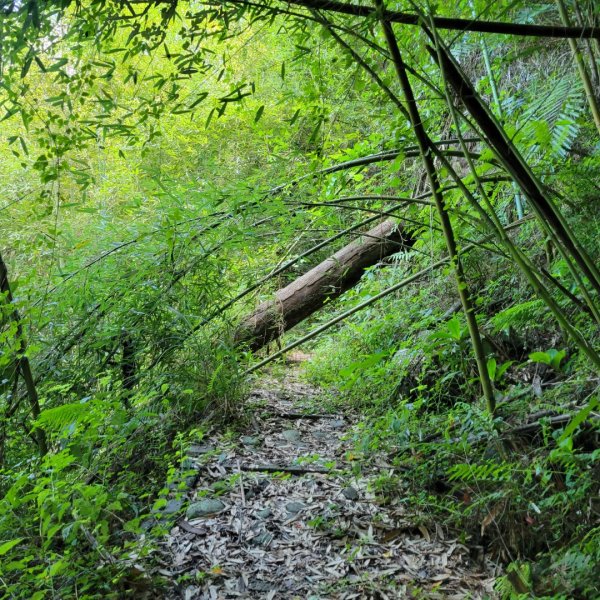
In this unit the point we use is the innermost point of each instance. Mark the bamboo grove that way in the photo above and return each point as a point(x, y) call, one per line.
point(360, 133)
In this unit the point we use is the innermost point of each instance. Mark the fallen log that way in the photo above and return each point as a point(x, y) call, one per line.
point(328, 280)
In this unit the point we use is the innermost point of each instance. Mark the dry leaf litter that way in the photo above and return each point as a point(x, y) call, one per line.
point(278, 513)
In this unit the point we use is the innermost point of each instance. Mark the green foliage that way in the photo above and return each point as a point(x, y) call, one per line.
point(551, 357)
point(141, 149)
point(496, 372)
point(62, 416)
point(497, 489)
point(518, 316)
point(507, 501)
point(550, 124)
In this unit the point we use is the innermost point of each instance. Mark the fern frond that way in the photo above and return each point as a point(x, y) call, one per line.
point(552, 123)
point(519, 315)
point(61, 416)
point(488, 471)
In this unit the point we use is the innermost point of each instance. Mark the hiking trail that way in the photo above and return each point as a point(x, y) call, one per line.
point(287, 510)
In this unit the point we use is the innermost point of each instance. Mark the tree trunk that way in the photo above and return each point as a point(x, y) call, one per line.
point(328, 280)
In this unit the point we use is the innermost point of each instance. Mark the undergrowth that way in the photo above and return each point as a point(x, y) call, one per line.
point(86, 517)
point(520, 488)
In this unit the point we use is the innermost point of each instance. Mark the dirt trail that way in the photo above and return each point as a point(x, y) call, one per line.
point(286, 511)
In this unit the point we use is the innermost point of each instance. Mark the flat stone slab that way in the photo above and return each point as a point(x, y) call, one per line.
point(295, 507)
point(171, 507)
point(291, 435)
point(249, 440)
point(204, 508)
point(350, 493)
point(199, 449)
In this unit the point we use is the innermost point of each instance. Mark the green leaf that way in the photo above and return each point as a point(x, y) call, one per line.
point(295, 117)
point(10, 112)
point(259, 114)
point(160, 503)
point(556, 357)
point(353, 371)
point(540, 357)
point(4, 548)
point(40, 64)
point(199, 99)
point(58, 567)
point(61, 416)
point(551, 357)
point(27, 64)
point(315, 131)
point(61, 62)
point(491, 368)
point(503, 368)
point(453, 326)
point(578, 419)
point(209, 118)
point(24, 145)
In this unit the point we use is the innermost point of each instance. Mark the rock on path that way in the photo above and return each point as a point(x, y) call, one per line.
point(311, 531)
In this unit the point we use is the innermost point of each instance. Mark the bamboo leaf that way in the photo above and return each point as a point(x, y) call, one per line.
point(7, 546)
point(27, 64)
point(578, 419)
point(259, 114)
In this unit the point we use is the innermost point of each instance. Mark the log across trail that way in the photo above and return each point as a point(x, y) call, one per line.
point(328, 280)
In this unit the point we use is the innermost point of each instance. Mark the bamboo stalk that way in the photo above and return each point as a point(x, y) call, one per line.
point(593, 309)
point(493, 223)
point(389, 16)
point(588, 44)
point(548, 214)
point(426, 149)
point(23, 365)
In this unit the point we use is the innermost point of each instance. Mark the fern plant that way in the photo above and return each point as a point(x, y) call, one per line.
point(547, 129)
point(58, 418)
point(518, 316)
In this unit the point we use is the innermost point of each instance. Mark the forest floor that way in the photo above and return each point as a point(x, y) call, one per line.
point(285, 509)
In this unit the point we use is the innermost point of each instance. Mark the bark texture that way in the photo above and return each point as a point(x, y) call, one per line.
point(328, 280)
